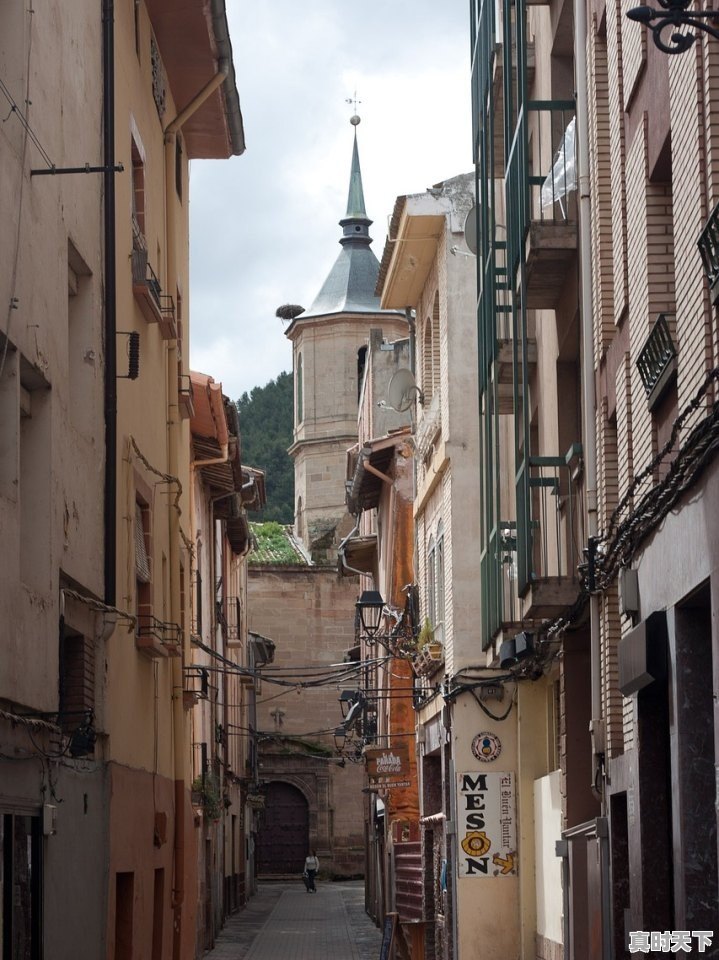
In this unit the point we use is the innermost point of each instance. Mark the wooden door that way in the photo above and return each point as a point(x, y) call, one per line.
point(283, 840)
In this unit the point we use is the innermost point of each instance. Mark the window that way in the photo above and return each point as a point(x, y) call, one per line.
point(432, 583)
point(138, 198)
point(143, 569)
point(76, 681)
point(20, 886)
point(178, 166)
point(439, 624)
point(361, 364)
point(430, 352)
point(298, 405)
point(136, 13)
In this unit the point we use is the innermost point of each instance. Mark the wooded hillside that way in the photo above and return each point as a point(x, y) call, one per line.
point(266, 430)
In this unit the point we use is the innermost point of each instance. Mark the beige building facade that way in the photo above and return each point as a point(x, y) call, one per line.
point(52, 642)
point(175, 100)
point(96, 818)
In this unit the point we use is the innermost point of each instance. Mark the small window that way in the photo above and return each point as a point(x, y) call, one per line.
point(361, 364)
point(178, 166)
point(439, 625)
point(143, 567)
point(432, 583)
point(138, 198)
point(136, 12)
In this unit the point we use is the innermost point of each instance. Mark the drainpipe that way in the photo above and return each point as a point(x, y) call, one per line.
point(408, 311)
point(223, 458)
point(108, 139)
point(596, 725)
point(179, 719)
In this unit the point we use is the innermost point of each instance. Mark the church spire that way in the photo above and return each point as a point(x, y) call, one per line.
point(351, 283)
point(355, 198)
point(356, 222)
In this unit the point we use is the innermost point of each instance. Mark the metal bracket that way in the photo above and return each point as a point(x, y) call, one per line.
point(56, 171)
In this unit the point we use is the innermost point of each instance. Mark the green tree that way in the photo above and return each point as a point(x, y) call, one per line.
point(266, 432)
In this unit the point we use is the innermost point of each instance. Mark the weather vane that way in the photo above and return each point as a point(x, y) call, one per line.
point(354, 119)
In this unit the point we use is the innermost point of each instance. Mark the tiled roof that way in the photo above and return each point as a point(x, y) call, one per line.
point(275, 544)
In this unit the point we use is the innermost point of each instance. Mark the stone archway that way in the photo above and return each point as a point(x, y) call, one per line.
point(284, 837)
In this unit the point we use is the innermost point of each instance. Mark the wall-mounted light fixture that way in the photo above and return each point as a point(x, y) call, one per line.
point(675, 17)
point(369, 609)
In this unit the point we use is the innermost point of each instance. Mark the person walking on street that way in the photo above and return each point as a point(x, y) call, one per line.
point(312, 865)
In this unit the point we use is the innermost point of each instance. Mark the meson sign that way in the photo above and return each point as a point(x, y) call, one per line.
point(486, 825)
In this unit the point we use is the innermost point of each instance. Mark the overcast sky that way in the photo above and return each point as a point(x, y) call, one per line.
point(264, 226)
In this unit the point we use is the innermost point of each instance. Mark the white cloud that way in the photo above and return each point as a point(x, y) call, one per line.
point(264, 226)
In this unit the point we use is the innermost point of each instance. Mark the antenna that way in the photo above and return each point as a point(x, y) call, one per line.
point(400, 390)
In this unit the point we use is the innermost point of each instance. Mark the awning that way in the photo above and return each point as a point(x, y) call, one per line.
point(367, 471)
point(359, 553)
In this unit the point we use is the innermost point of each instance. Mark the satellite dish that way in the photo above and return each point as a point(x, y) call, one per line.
point(470, 229)
point(401, 390)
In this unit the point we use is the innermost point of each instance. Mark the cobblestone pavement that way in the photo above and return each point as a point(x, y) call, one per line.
point(284, 922)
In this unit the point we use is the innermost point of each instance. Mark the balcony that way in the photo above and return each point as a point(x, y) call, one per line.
point(549, 532)
point(156, 306)
point(541, 205)
point(657, 361)
point(156, 638)
point(709, 248)
point(428, 427)
point(184, 396)
point(196, 685)
point(229, 616)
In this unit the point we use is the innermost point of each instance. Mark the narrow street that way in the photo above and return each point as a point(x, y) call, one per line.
point(284, 922)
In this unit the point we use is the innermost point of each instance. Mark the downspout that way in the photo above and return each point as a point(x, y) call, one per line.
point(223, 458)
point(179, 719)
point(596, 726)
point(108, 140)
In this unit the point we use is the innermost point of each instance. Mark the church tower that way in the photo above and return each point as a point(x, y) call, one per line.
point(329, 343)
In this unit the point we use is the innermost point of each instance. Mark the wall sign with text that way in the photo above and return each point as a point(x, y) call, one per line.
point(486, 825)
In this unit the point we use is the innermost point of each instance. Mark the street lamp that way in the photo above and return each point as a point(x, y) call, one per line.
point(369, 609)
point(673, 15)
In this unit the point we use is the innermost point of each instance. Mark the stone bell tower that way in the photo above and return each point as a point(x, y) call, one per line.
point(329, 343)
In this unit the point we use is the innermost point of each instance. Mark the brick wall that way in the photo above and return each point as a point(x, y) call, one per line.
point(309, 613)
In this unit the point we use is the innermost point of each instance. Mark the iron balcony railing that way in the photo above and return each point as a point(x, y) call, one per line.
point(543, 542)
point(229, 616)
point(709, 248)
point(142, 273)
point(657, 361)
point(539, 182)
point(550, 518)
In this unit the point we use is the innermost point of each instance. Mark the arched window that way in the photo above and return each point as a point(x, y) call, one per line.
point(435, 343)
point(427, 360)
point(431, 353)
point(299, 413)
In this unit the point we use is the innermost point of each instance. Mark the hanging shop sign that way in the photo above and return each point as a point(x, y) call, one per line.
point(387, 765)
point(486, 825)
point(486, 746)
